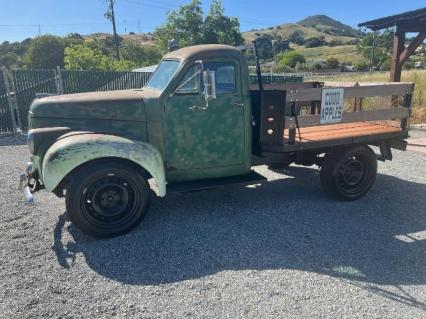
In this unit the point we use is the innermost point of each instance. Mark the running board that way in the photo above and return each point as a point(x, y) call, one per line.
point(200, 185)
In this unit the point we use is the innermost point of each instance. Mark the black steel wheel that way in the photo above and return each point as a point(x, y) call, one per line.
point(349, 174)
point(107, 199)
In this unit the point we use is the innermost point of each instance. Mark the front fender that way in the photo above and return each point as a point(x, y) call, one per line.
point(71, 151)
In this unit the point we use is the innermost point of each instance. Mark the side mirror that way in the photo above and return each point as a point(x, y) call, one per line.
point(209, 78)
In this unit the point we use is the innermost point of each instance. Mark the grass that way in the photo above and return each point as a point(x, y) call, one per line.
point(416, 76)
point(344, 53)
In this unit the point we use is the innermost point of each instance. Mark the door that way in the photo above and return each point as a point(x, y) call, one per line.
point(201, 136)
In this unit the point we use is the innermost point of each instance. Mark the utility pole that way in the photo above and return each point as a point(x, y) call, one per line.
point(111, 16)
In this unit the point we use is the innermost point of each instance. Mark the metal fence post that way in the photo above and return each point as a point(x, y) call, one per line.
point(59, 81)
point(11, 100)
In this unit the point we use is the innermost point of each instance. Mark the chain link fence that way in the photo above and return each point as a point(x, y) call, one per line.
point(5, 114)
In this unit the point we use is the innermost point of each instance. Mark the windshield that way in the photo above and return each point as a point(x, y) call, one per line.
point(163, 75)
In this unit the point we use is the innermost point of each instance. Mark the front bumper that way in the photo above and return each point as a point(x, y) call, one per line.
point(29, 181)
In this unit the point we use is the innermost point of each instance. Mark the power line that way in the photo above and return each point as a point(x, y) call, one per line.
point(50, 25)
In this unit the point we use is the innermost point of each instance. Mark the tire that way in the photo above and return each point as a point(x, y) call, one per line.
point(107, 199)
point(348, 174)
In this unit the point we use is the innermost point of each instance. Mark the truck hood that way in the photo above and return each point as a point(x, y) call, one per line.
point(112, 105)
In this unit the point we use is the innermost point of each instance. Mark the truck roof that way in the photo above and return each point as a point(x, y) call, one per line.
point(203, 51)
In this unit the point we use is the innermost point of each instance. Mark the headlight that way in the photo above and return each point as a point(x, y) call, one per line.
point(30, 141)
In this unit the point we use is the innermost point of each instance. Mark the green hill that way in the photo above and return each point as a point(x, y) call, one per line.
point(323, 23)
point(285, 30)
point(319, 26)
point(346, 54)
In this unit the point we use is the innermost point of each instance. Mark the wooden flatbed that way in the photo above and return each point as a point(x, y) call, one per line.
point(341, 131)
point(289, 116)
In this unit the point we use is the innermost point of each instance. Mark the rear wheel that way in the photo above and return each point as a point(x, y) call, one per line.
point(349, 174)
point(107, 199)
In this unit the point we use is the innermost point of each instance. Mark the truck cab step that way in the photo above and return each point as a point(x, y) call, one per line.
point(205, 184)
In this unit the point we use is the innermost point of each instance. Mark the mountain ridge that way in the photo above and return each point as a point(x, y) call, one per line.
point(326, 24)
point(319, 26)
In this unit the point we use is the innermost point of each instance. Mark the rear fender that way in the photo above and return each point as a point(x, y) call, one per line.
point(74, 150)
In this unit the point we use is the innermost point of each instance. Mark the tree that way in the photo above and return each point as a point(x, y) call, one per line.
point(279, 45)
point(297, 38)
point(335, 43)
point(314, 42)
point(290, 58)
point(383, 47)
point(105, 45)
point(188, 27)
point(265, 48)
point(332, 63)
point(72, 39)
point(218, 28)
point(11, 53)
point(141, 55)
point(268, 47)
point(45, 52)
point(83, 57)
point(184, 25)
point(9, 60)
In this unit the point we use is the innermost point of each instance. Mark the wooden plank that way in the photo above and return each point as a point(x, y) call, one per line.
point(412, 47)
point(284, 86)
point(352, 133)
point(322, 128)
point(392, 89)
point(362, 129)
point(348, 117)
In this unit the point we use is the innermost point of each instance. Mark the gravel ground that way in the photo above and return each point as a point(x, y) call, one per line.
point(282, 249)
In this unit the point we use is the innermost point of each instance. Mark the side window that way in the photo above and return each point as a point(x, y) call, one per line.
point(225, 76)
point(190, 83)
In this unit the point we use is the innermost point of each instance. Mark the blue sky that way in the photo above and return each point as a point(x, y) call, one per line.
point(19, 19)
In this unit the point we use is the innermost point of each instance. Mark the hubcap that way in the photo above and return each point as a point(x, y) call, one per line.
point(109, 201)
point(353, 174)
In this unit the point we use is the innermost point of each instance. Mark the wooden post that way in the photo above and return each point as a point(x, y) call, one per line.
point(59, 81)
point(398, 48)
point(408, 100)
point(357, 102)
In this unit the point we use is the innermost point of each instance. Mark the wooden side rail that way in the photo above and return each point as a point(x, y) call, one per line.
point(390, 89)
point(349, 117)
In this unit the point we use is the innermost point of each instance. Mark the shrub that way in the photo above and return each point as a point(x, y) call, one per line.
point(362, 66)
point(290, 58)
point(386, 65)
point(314, 42)
point(279, 68)
point(335, 43)
point(332, 63)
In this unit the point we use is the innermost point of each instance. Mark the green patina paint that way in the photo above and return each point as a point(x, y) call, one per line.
point(74, 150)
point(155, 129)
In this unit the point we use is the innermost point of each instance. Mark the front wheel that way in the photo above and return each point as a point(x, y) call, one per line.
point(107, 199)
point(349, 174)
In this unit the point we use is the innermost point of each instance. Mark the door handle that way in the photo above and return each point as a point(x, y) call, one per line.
point(197, 108)
point(239, 104)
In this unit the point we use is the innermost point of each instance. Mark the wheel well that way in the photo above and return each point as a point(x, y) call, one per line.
point(63, 185)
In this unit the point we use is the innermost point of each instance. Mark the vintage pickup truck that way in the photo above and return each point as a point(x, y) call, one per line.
point(198, 122)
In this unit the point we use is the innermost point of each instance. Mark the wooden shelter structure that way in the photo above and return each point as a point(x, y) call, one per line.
point(408, 22)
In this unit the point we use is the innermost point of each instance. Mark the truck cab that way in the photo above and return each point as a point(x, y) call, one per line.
point(207, 131)
point(198, 120)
